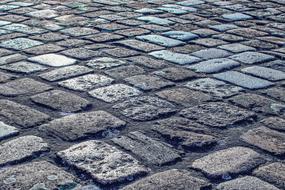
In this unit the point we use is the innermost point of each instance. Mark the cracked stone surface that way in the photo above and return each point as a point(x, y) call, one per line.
point(131, 94)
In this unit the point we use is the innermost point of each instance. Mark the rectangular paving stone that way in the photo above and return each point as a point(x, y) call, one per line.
point(125, 71)
point(236, 16)
point(148, 82)
point(243, 80)
point(178, 58)
point(105, 63)
point(86, 82)
point(115, 93)
point(23, 67)
point(227, 162)
point(7, 131)
point(180, 35)
point(211, 53)
point(213, 87)
point(246, 183)
point(11, 58)
point(106, 164)
point(148, 149)
point(43, 14)
point(35, 175)
point(168, 180)
point(21, 148)
point(65, 73)
point(266, 139)
point(237, 48)
point(61, 101)
point(20, 43)
point(54, 60)
point(83, 125)
point(145, 108)
point(217, 114)
point(214, 65)
point(156, 20)
point(252, 57)
point(272, 173)
point(23, 28)
point(23, 86)
point(264, 72)
point(21, 115)
point(160, 40)
point(140, 45)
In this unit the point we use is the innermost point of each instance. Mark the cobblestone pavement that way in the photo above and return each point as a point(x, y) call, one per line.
point(142, 95)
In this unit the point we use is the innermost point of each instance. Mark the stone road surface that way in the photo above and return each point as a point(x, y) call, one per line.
point(142, 94)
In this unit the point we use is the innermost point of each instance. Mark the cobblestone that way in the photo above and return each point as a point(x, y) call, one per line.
point(134, 94)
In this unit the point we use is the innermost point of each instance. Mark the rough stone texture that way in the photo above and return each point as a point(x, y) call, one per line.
point(168, 180)
point(7, 131)
point(246, 183)
point(218, 114)
point(266, 139)
point(21, 115)
point(23, 87)
point(21, 148)
point(34, 175)
point(61, 101)
point(231, 161)
point(53, 60)
point(4, 77)
point(175, 74)
point(106, 164)
point(145, 108)
point(274, 123)
point(147, 149)
point(272, 173)
point(82, 125)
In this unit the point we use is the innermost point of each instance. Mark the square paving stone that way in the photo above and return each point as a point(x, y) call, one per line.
point(145, 108)
point(105, 63)
point(252, 57)
point(4, 77)
point(7, 131)
point(236, 16)
point(272, 173)
point(227, 162)
point(243, 80)
point(178, 58)
point(217, 114)
point(214, 87)
point(21, 115)
point(65, 73)
point(168, 180)
point(276, 123)
point(266, 139)
point(21, 148)
point(83, 125)
point(20, 43)
point(86, 82)
point(147, 149)
point(148, 82)
point(258, 103)
point(175, 73)
point(214, 65)
point(264, 72)
point(211, 53)
point(140, 45)
point(53, 60)
point(35, 175)
point(184, 96)
point(160, 40)
point(23, 67)
point(61, 101)
point(115, 92)
point(246, 183)
point(156, 20)
point(11, 58)
point(106, 164)
point(123, 71)
point(23, 86)
point(180, 35)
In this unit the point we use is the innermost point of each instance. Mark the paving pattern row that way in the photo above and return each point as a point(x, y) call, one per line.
point(142, 95)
